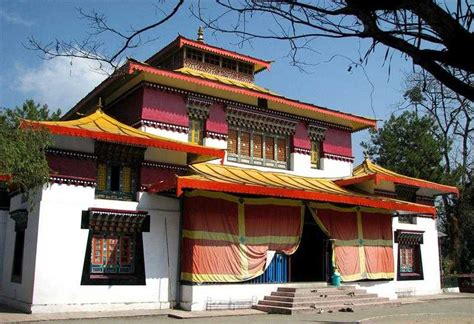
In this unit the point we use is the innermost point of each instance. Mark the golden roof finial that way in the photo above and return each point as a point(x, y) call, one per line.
point(99, 104)
point(200, 37)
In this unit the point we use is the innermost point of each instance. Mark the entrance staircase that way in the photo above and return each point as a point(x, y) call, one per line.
point(328, 299)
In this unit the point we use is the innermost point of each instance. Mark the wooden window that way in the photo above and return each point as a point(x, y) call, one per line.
point(232, 141)
point(112, 253)
point(4, 198)
point(115, 180)
point(97, 257)
point(409, 255)
point(245, 68)
point(316, 155)
point(126, 179)
point(114, 177)
point(270, 148)
point(229, 64)
point(101, 176)
point(17, 269)
point(245, 144)
point(252, 147)
point(407, 259)
point(125, 251)
point(407, 218)
point(281, 149)
point(194, 54)
point(258, 146)
point(196, 129)
point(212, 59)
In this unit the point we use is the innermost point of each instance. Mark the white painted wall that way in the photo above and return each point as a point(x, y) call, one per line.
point(62, 245)
point(431, 284)
point(195, 297)
point(215, 143)
point(179, 136)
point(20, 295)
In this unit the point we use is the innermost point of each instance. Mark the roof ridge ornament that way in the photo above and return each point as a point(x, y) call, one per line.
point(99, 106)
point(200, 37)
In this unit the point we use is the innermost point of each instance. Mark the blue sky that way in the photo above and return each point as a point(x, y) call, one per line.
point(61, 83)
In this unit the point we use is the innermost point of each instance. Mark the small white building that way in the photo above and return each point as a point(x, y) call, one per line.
point(193, 185)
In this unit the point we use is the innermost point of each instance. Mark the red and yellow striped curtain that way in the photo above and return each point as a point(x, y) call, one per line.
point(361, 239)
point(226, 238)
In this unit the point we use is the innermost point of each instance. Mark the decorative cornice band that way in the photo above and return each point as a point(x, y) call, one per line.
point(240, 105)
point(218, 136)
point(257, 121)
point(69, 180)
point(71, 154)
point(301, 150)
point(338, 157)
point(160, 165)
point(166, 126)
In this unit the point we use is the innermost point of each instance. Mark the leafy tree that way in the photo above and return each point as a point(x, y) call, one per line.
point(22, 149)
point(29, 110)
point(453, 116)
point(407, 144)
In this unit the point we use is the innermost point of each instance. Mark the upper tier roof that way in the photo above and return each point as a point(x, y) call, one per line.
point(100, 126)
point(133, 73)
point(181, 41)
point(368, 171)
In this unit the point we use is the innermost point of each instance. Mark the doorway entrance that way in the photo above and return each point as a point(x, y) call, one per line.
point(311, 262)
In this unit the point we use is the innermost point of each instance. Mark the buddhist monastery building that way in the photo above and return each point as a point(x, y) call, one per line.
point(179, 182)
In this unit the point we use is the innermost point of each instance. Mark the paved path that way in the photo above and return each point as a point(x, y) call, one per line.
point(447, 308)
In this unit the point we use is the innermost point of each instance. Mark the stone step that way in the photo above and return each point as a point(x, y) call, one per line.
point(315, 292)
point(326, 308)
point(318, 289)
point(316, 297)
point(320, 303)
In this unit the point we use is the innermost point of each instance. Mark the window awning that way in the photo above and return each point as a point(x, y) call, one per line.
point(100, 126)
point(369, 171)
point(112, 220)
point(224, 178)
point(408, 237)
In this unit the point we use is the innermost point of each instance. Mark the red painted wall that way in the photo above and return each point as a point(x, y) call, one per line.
point(151, 175)
point(301, 139)
point(338, 142)
point(164, 107)
point(129, 109)
point(65, 166)
point(217, 121)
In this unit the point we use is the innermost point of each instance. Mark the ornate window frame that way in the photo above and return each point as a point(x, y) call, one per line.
point(409, 242)
point(124, 159)
point(317, 135)
point(268, 127)
point(198, 110)
point(110, 225)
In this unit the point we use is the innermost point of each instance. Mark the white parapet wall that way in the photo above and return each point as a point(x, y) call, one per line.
point(61, 250)
point(431, 283)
